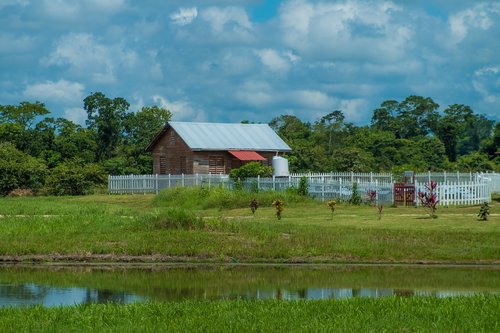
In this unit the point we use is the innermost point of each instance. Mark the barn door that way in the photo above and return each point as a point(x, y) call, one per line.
point(216, 164)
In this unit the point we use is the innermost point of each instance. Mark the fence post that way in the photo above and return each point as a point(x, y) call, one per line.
point(156, 183)
point(169, 184)
point(182, 179)
point(258, 183)
point(274, 183)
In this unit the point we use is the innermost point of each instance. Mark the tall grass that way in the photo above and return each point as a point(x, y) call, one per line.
point(459, 314)
point(221, 198)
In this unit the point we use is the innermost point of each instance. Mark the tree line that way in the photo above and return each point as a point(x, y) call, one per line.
point(403, 135)
point(57, 156)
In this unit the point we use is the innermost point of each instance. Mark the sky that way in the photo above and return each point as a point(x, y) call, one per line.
point(230, 60)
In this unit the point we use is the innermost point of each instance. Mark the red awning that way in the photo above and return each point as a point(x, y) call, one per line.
point(247, 155)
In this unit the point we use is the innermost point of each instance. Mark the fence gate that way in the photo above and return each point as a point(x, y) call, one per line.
point(404, 194)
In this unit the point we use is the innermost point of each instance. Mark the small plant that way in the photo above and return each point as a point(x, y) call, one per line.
point(355, 197)
point(484, 211)
point(380, 207)
point(332, 204)
point(303, 187)
point(372, 197)
point(280, 206)
point(429, 199)
point(254, 205)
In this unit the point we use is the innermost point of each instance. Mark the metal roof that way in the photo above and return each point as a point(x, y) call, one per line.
point(216, 136)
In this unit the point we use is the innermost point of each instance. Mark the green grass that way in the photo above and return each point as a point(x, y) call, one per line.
point(217, 226)
point(459, 314)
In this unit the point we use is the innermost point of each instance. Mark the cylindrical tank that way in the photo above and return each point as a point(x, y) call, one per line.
point(280, 167)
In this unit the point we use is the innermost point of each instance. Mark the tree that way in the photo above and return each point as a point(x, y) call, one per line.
point(417, 116)
point(19, 170)
point(24, 114)
point(105, 118)
point(384, 118)
point(451, 127)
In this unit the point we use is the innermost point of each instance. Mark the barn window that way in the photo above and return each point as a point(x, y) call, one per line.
point(216, 164)
point(171, 139)
point(163, 165)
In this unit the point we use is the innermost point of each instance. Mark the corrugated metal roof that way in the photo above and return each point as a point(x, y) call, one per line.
point(247, 155)
point(216, 136)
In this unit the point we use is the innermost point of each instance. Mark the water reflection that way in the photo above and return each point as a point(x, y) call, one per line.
point(33, 294)
point(25, 286)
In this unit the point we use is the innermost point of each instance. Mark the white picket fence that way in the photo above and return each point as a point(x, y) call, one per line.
point(453, 193)
point(321, 186)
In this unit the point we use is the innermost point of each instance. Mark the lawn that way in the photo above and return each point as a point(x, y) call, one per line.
point(419, 314)
point(194, 225)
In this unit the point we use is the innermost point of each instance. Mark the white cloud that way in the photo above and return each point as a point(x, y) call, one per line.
point(184, 16)
point(69, 9)
point(479, 17)
point(313, 99)
point(220, 18)
point(181, 110)
point(76, 115)
point(272, 60)
point(86, 56)
point(61, 91)
point(256, 94)
point(6, 3)
point(344, 30)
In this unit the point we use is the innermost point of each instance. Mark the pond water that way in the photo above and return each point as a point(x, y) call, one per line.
point(61, 286)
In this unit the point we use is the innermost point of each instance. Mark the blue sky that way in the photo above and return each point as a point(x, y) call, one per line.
point(226, 61)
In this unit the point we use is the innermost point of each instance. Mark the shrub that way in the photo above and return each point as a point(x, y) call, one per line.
point(174, 218)
point(355, 197)
point(19, 170)
point(280, 206)
point(74, 178)
point(484, 211)
point(303, 187)
point(429, 199)
point(251, 170)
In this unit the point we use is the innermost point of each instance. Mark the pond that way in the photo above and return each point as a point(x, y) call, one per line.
point(70, 285)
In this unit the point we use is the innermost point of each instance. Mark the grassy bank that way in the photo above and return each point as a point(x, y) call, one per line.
point(460, 314)
point(217, 226)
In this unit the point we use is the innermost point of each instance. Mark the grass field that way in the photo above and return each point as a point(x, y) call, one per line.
point(459, 314)
point(217, 226)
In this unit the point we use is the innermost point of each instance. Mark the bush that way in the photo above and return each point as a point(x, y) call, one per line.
point(19, 170)
point(174, 218)
point(303, 187)
point(355, 196)
point(251, 170)
point(75, 178)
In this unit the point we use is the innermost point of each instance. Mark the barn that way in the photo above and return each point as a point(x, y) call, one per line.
point(194, 147)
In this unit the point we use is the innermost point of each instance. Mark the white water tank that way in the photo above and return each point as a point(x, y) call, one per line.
point(280, 167)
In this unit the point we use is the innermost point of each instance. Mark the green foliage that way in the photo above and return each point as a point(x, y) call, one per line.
point(75, 178)
point(303, 188)
point(19, 170)
point(173, 218)
point(484, 212)
point(106, 118)
point(251, 170)
point(355, 196)
point(280, 206)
